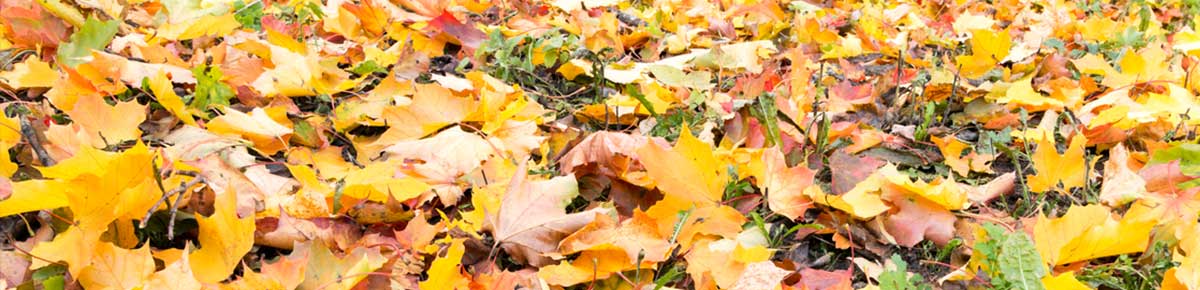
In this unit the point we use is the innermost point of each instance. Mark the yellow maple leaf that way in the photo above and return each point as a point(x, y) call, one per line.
point(117, 268)
point(863, 201)
point(105, 125)
point(325, 270)
point(31, 73)
point(1064, 281)
point(445, 272)
point(688, 171)
point(1088, 232)
point(987, 49)
point(214, 25)
point(1022, 94)
point(164, 91)
point(224, 239)
point(952, 150)
point(378, 182)
point(266, 128)
point(1067, 169)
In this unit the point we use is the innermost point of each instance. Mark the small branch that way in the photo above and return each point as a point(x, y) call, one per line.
point(174, 207)
point(30, 136)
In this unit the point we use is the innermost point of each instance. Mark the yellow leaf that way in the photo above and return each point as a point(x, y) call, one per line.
point(378, 182)
point(751, 254)
point(117, 268)
point(863, 201)
point(74, 246)
point(575, 67)
point(106, 125)
point(1088, 232)
point(101, 186)
point(689, 171)
point(1053, 169)
point(31, 73)
point(1064, 281)
point(1021, 93)
point(31, 195)
point(328, 271)
point(952, 150)
point(445, 272)
point(260, 127)
point(164, 91)
point(176, 275)
point(947, 194)
point(224, 239)
point(987, 49)
point(208, 25)
point(595, 264)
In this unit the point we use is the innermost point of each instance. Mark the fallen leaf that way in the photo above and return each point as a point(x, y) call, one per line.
point(1088, 232)
point(532, 219)
point(224, 239)
point(785, 186)
point(1053, 169)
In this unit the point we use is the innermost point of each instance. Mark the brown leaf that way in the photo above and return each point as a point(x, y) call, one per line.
point(532, 218)
point(849, 170)
point(613, 151)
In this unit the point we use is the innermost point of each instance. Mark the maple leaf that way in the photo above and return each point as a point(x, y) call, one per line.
point(639, 236)
point(722, 262)
point(848, 170)
point(325, 270)
point(259, 126)
point(440, 160)
point(952, 150)
point(224, 239)
point(785, 186)
point(1088, 232)
point(1121, 183)
point(103, 125)
point(1053, 169)
point(31, 73)
point(117, 268)
point(532, 218)
point(987, 49)
point(94, 35)
point(689, 171)
point(595, 264)
point(445, 270)
point(177, 274)
point(28, 24)
point(919, 219)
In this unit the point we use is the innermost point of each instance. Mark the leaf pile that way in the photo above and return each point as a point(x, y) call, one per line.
point(595, 144)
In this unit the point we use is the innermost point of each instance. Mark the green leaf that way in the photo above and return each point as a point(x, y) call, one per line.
point(209, 88)
point(51, 277)
point(94, 34)
point(1187, 154)
point(1019, 263)
point(250, 16)
point(368, 67)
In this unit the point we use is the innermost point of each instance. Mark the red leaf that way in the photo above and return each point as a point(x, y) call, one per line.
point(30, 25)
point(466, 35)
point(849, 170)
point(814, 279)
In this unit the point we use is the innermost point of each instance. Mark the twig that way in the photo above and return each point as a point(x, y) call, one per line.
point(30, 136)
point(174, 207)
